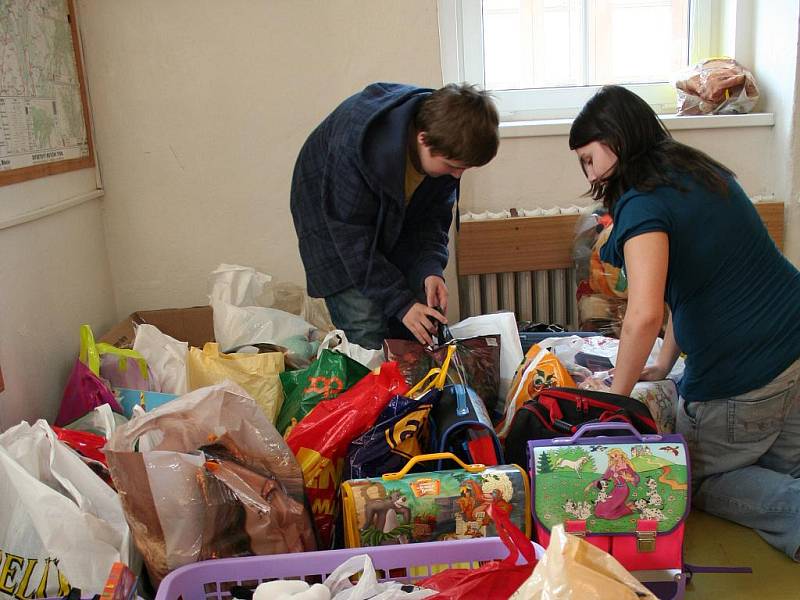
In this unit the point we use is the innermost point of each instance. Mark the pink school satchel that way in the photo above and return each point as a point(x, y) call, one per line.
point(628, 495)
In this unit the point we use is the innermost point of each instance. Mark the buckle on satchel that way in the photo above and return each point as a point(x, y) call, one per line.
point(646, 541)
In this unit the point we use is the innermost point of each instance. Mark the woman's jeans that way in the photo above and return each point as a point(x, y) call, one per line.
point(745, 454)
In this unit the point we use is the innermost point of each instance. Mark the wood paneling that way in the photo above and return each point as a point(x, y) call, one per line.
point(541, 243)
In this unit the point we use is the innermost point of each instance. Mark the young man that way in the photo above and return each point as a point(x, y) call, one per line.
point(372, 201)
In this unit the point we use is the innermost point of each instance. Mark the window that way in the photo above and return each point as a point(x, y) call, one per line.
point(544, 58)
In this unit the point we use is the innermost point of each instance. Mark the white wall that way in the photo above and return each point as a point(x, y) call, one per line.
point(200, 109)
point(776, 53)
point(55, 276)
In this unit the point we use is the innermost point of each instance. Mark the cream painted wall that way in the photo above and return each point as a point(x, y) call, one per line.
point(55, 276)
point(775, 28)
point(541, 171)
point(200, 109)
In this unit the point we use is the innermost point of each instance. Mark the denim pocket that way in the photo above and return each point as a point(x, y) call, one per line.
point(755, 420)
point(685, 423)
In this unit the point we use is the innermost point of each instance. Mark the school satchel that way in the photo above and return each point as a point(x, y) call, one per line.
point(560, 411)
point(405, 507)
point(628, 495)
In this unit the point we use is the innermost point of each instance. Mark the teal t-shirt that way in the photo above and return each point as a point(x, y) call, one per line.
point(734, 297)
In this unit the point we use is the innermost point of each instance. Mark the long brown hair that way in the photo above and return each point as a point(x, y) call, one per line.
point(648, 156)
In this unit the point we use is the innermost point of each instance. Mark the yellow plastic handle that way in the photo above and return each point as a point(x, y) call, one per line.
point(425, 384)
point(477, 468)
point(89, 354)
point(441, 381)
point(124, 354)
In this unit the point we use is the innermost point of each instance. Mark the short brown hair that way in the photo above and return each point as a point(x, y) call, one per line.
point(460, 122)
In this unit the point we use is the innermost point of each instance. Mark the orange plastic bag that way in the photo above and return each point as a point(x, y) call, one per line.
point(321, 439)
point(540, 369)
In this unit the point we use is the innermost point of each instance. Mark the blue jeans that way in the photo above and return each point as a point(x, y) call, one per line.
point(363, 321)
point(745, 454)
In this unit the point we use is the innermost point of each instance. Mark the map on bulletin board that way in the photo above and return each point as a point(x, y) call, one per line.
point(43, 108)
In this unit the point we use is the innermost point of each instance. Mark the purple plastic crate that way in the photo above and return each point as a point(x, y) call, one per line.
point(212, 579)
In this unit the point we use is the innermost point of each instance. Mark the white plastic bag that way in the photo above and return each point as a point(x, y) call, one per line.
point(367, 587)
point(239, 320)
point(165, 356)
point(100, 421)
point(57, 516)
point(337, 341)
point(505, 324)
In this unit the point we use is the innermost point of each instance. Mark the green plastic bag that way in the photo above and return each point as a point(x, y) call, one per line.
point(327, 377)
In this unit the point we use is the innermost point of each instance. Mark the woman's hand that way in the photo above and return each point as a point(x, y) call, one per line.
point(654, 373)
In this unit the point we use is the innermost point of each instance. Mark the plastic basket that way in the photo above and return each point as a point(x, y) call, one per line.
point(213, 579)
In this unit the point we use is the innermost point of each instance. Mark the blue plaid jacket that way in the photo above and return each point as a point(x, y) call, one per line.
point(353, 226)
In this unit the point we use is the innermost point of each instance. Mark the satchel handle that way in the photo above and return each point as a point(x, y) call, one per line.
point(425, 384)
point(593, 427)
point(433, 456)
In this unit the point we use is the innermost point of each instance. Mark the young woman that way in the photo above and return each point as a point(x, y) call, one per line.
point(685, 232)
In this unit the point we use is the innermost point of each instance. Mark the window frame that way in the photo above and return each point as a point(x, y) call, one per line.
point(717, 27)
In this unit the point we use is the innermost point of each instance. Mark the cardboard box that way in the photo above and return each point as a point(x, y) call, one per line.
point(194, 325)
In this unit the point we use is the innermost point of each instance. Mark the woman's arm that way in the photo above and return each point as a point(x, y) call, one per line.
point(666, 358)
point(646, 261)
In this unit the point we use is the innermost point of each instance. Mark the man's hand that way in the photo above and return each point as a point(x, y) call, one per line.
point(436, 292)
point(421, 321)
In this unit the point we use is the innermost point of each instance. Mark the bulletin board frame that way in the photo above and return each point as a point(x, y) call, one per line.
point(55, 167)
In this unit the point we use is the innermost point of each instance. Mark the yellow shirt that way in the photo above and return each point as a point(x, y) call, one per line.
point(413, 179)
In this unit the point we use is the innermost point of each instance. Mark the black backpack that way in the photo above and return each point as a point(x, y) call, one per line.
point(560, 411)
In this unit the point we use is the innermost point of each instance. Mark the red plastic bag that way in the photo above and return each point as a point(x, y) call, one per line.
point(320, 440)
point(496, 579)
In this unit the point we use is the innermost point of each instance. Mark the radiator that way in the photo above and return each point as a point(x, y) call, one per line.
point(540, 296)
point(523, 265)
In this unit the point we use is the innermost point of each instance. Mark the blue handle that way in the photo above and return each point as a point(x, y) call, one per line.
point(588, 427)
point(461, 400)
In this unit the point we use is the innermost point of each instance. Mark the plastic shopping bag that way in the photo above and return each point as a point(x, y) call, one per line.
point(718, 86)
point(574, 569)
point(321, 439)
point(216, 479)
point(503, 324)
point(337, 341)
point(239, 318)
point(60, 525)
point(327, 377)
point(165, 356)
point(121, 367)
point(83, 393)
point(401, 432)
point(476, 361)
point(258, 374)
point(541, 369)
point(367, 587)
point(494, 580)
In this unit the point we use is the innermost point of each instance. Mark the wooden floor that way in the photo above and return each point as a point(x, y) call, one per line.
point(713, 541)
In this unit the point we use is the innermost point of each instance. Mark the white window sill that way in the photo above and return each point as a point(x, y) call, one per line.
point(518, 129)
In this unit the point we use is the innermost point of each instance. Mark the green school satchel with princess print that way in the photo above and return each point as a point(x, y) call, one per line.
point(629, 495)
